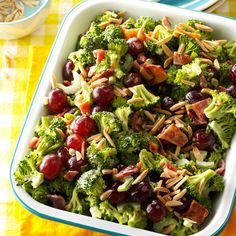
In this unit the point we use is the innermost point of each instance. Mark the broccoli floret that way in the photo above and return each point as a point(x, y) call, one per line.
point(153, 162)
point(102, 158)
point(108, 212)
point(230, 50)
point(77, 204)
point(127, 63)
point(149, 22)
point(147, 99)
point(200, 186)
point(83, 56)
point(204, 34)
point(27, 172)
point(112, 32)
point(91, 183)
point(93, 38)
point(105, 16)
point(119, 46)
point(119, 101)
point(107, 120)
point(221, 106)
point(136, 217)
point(217, 155)
point(179, 230)
point(224, 74)
point(191, 46)
point(225, 129)
point(123, 114)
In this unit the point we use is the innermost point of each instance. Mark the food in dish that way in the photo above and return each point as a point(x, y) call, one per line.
point(138, 131)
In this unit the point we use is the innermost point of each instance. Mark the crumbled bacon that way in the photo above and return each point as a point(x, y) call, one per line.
point(129, 170)
point(181, 59)
point(70, 175)
point(57, 201)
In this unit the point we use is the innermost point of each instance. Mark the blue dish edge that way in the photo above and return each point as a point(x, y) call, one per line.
point(222, 226)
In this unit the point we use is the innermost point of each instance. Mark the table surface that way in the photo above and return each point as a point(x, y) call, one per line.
point(14, 220)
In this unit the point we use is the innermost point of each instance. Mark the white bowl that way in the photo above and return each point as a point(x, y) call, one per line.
point(33, 18)
point(75, 23)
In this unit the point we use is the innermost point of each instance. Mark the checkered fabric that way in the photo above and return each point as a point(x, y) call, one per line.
point(15, 95)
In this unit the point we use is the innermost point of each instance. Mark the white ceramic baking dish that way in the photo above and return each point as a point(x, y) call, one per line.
point(75, 23)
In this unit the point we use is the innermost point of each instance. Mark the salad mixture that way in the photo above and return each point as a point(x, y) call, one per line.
point(138, 131)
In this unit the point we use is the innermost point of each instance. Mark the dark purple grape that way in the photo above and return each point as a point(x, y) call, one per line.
point(74, 164)
point(141, 58)
point(186, 200)
point(231, 91)
point(132, 79)
point(117, 197)
point(203, 140)
point(103, 95)
point(135, 46)
point(64, 155)
point(155, 211)
point(212, 69)
point(167, 103)
point(67, 70)
point(57, 100)
point(98, 108)
point(194, 96)
point(141, 192)
point(232, 74)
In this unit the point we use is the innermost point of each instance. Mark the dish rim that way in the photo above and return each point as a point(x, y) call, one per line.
point(58, 219)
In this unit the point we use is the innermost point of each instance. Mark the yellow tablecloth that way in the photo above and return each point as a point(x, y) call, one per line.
point(15, 96)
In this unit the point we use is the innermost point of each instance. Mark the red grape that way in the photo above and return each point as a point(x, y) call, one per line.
point(50, 166)
point(155, 211)
point(135, 46)
point(74, 141)
point(57, 101)
point(103, 95)
point(231, 90)
point(132, 79)
point(186, 200)
point(83, 125)
point(74, 164)
point(167, 103)
point(203, 140)
point(64, 155)
point(232, 74)
point(117, 197)
point(67, 70)
point(194, 96)
point(98, 108)
point(141, 192)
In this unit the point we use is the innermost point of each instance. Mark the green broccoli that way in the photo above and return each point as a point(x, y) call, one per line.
point(119, 101)
point(217, 155)
point(136, 217)
point(118, 45)
point(93, 38)
point(83, 56)
point(127, 63)
point(91, 183)
point(191, 46)
point(105, 16)
point(224, 74)
point(201, 185)
point(123, 114)
point(147, 99)
point(230, 50)
point(111, 33)
point(153, 162)
point(27, 172)
point(107, 120)
point(104, 158)
point(149, 22)
point(77, 204)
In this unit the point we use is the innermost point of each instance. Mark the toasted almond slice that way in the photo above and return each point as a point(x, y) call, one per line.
point(189, 220)
point(201, 45)
point(180, 195)
point(157, 125)
point(190, 34)
point(159, 110)
point(98, 82)
point(181, 48)
point(60, 132)
point(186, 26)
point(173, 155)
point(167, 197)
point(166, 23)
point(175, 192)
point(190, 131)
point(116, 21)
point(221, 41)
point(165, 40)
point(206, 60)
point(101, 144)
point(106, 194)
point(167, 51)
point(121, 91)
point(177, 186)
point(104, 24)
point(78, 155)
point(168, 61)
point(135, 100)
point(107, 171)
point(162, 189)
point(108, 138)
point(167, 230)
point(197, 154)
point(204, 28)
point(140, 177)
point(126, 92)
point(170, 172)
point(149, 115)
point(115, 171)
point(177, 106)
point(207, 45)
point(162, 200)
point(180, 111)
point(159, 184)
point(121, 13)
point(173, 203)
point(206, 91)
point(177, 150)
point(95, 136)
point(187, 82)
point(216, 64)
point(175, 180)
point(113, 14)
point(201, 185)
point(83, 146)
point(54, 82)
point(165, 175)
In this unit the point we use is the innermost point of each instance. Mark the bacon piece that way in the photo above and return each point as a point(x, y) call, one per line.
point(196, 212)
point(181, 59)
point(158, 73)
point(57, 201)
point(195, 111)
point(105, 74)
point(70, 175)
point(174, 135)
point(153, 147)
point(129, 170)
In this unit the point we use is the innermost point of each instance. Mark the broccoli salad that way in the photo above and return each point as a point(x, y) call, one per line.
point(138, 130)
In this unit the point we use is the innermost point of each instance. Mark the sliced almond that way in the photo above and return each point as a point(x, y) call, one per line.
point(135, 100)
point(167, 230)
point(159, 110)
point(187, 82)
point(201, 45)
point(95, 136)
point(140, 177)
point(105, 195)
point(173, 203)
point(177, 106)
point(149, 115)
point(168, 61)
point(180, 195)
point(204, 28)
point(157, 125)
point(101, 144)
point(108, 138)
point(181, 48)
point(167, 51)
point(197, 154)
point(175, 180)
point(177, 186)
point(54, 82)
point(166, 23)
point(107, 171)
